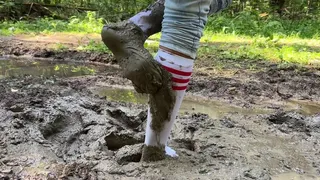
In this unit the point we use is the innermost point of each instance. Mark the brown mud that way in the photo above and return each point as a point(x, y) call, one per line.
point(236, 123)
point(44, 47)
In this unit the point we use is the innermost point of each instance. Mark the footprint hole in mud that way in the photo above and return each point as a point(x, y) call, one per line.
point(291, 121)
point(115, 141)
point(55, 126)
point(186, 144)
point(132, 122)
point(190, 129)
point(130, 158)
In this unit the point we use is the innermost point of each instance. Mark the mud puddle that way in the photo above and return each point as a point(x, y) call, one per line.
point(306, 107)
point(294, 176)
point(21, 67)
point(214, 108)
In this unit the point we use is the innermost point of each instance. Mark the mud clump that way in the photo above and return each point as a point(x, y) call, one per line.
point(257, 173)
point(289, 122)
point(161, 105)
point(129, 154)
point(227, 122)
point(295, 122)
point(153, 153)
point(44, 53)
point(314, 123)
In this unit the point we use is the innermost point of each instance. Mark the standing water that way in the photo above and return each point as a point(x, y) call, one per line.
point(14, 68)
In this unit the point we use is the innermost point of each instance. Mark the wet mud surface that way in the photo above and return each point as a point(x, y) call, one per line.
point(248, 125)
point(245, 83)
point(44, 48)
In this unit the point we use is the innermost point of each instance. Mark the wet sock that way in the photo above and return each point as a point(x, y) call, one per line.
point(149, 20)
point(181, 70)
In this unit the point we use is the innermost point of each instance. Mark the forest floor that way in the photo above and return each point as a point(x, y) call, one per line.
point(68, 114)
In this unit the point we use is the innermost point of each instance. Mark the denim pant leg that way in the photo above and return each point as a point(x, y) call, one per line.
point(183, 24)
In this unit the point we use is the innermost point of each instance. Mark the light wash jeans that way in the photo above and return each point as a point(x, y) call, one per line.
point(184, 21)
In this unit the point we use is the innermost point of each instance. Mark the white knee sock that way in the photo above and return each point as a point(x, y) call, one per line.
point(181, 70)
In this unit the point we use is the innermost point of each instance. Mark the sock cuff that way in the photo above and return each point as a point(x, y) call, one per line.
point(180, 67)
point(174, 61)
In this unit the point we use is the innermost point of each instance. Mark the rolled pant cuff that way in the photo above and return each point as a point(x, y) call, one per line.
point(192, 53)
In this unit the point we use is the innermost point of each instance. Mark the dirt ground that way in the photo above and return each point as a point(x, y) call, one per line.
point(241, 120)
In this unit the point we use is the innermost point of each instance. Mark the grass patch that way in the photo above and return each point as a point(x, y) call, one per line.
point(251, 23)
point(245, 36)
point(59, 47)
point(94, 47)
point(236, 47)
point(89, 24)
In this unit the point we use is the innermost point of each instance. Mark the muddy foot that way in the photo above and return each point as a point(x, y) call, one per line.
point(153, 153)
point(126, 41)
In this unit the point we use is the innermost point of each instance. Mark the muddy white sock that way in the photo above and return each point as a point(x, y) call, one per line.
point(181, 70)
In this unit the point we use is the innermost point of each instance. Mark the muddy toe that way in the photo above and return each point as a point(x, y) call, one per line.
point(112, 41)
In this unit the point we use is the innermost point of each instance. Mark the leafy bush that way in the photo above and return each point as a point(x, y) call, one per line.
point(252, 24)
point(88, 24)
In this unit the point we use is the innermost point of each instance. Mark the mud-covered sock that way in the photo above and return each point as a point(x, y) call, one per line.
point(181, 70)
point(149, 20)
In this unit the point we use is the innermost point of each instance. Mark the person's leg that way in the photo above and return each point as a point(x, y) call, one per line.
point(150, 19)
point(182, 28)
point(126, 40)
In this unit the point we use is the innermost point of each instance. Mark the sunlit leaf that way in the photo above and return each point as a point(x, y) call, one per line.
point(56, 68)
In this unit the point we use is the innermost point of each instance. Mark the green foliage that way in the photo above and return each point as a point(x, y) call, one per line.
point(61, 47)
point(88, 24)
point(257, 48)
point(6, 6)
point(251, 24)
point(255, 29)
point(115, 10)
point(94, 46)
point(293, 9)
point(67, 69)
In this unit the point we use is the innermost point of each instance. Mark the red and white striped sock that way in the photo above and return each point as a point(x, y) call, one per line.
point(181, 70)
